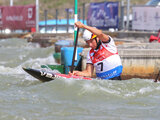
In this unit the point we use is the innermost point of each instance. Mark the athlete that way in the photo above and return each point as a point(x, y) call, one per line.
point(103, 55)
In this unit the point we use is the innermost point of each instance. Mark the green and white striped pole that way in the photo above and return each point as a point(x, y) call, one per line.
point(76, 30)
point(75, 20)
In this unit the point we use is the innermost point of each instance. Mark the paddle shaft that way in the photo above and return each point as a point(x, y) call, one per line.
point(157, 77)
point(74, 53)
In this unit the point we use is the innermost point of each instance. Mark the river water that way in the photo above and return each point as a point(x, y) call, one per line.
point(22, 97)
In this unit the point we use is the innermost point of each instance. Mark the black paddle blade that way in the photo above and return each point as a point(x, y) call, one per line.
point(157, 77)
point(43, 76)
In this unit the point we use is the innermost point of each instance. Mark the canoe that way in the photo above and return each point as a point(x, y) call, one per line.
point(46, 76)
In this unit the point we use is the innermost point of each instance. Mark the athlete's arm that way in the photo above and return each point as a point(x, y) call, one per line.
point(103, 37)
point(88, 72)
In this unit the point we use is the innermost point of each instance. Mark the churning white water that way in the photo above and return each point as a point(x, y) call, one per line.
point(23, 97)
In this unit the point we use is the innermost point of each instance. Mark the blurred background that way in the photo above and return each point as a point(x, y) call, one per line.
point(58, 16)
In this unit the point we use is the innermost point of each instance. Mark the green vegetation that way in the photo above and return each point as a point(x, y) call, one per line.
point(64, 3)
point(51, 5)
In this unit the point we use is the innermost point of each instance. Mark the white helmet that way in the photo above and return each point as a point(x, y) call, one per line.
point(87, 35)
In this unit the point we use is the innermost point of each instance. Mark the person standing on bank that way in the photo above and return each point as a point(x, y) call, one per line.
point(103, 55)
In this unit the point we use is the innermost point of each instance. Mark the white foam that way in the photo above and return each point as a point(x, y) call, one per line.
point(144, 90)
point(89, 87)
point(33, 63)
point(108, 90)
point(69, 81)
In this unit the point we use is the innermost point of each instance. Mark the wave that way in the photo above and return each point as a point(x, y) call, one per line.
point(33, 63)
point(28, 55)
point(95, 89)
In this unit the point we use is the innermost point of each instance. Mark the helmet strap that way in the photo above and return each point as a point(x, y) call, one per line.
point(98, 43)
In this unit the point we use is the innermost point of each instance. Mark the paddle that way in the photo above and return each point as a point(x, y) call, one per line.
point(74, 53)
point(156, 80)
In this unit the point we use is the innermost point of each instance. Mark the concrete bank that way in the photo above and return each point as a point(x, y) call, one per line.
point(117, 34)
point(48, 39)
point(137, 63)
point(12, 35)
point(127, 34)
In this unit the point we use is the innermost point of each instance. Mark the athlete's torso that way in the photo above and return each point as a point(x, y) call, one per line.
point(106, 60)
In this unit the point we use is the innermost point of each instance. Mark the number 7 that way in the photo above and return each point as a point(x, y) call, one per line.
point(101, 63)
